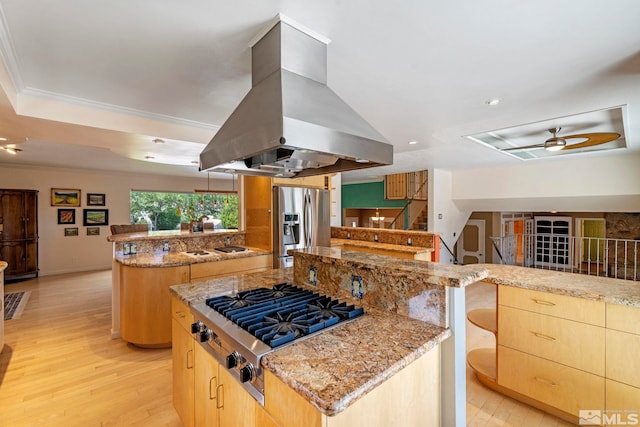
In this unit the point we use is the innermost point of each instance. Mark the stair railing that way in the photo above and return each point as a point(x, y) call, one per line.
point(409, 201)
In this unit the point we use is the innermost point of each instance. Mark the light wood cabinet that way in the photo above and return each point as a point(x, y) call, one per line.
point(210, 270)
point(562, 354)
point(409, 398)
point(183, 364)
point(19, 233)
point(145, 303)
point(564, 341)
point(317, 181)
point(206, 388)
point(409, 185)
point(554, 384)
point(256, 200)
point(622, 397)
point(395, 186)
point(566, 307)
point(237, 408)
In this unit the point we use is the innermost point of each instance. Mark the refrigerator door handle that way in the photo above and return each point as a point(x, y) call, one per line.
point(307, 219)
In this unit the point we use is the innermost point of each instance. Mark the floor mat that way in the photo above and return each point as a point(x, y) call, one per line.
point(14, 304)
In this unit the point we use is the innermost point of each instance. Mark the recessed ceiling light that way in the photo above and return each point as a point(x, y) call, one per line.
point(158, 141)
point(413, 142)
point(149, 157)
point(493, 102)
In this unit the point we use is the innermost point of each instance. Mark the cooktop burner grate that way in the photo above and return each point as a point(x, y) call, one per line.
point(283, 313)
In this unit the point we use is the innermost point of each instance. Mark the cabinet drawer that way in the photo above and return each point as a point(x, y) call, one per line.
point(181, 313)
point(572, 308)
point(622, 397)
point(564, 341)
point(623, 364)
point(230, 266)
point(623, 318)
point(560, 386)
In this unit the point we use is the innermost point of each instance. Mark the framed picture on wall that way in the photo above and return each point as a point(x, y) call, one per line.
point(66, 216)
point(71, 231)
point(93, 231)
point(95, 199)
point(93, 217)
point(65, 197)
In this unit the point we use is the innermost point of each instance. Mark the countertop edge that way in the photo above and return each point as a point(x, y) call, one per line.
point(331, 409)
point(595, 288)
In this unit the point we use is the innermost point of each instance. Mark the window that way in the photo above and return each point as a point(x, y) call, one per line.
point(165, 211)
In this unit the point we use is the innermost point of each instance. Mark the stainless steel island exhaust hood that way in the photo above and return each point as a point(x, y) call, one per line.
point(290, 123)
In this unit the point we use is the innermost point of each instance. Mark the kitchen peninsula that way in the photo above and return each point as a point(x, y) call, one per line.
point(145, 264)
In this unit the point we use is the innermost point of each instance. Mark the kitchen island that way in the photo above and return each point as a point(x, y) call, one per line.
point(383, 368)
point(145, 264)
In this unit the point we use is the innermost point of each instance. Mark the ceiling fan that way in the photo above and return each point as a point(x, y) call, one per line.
point(557, 143)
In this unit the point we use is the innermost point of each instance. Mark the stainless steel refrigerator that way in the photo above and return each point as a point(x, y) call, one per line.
point(301, 219)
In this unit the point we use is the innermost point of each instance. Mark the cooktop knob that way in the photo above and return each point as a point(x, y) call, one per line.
point(197, 327)
point(206, 335)
point(247, 373)
point(233, 360)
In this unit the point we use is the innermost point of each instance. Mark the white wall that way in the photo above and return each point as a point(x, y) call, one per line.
point(585, 184)
point(60, 254)
point(444, 216)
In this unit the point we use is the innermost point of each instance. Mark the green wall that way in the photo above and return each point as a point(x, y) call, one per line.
point(367, 195)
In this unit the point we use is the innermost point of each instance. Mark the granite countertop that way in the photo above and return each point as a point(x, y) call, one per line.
point(175, 259)
point(167, 234)
point(432, 272)
point(336, 367)
point(383, 246)
point(606, 289)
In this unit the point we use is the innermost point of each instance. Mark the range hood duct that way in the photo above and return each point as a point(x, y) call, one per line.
point(290, 123)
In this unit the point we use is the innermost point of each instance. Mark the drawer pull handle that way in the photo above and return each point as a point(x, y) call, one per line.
point(545, 381)
point(542, 302)
point(543, 336)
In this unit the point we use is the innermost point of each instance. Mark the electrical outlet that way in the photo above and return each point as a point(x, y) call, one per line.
point(357, 286)
point(375, 237)
point(409, 241)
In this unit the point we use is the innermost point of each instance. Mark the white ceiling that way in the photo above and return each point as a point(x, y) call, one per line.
point(91, 84)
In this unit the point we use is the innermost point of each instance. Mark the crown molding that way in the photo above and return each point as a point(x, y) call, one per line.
point(7, 54)
point(103, 106)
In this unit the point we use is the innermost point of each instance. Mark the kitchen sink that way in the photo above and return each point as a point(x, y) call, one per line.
point(230, 249)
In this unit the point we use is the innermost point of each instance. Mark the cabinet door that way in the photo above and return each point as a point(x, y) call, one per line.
point(30, 214)
point(183, 373)
point(13, 253)
point(395, 186)
point(12, 215)
point(236, 406)
point(206, 388)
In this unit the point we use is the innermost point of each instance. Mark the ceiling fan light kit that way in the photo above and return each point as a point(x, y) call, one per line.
point(555, 143)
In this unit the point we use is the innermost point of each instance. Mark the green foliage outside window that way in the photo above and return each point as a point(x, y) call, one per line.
point(165, 211)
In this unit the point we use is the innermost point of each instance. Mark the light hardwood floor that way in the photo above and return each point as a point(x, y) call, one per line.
point(61, 368)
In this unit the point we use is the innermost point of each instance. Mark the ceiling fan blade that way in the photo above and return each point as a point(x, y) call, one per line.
point(596, 138)
point(525, 147)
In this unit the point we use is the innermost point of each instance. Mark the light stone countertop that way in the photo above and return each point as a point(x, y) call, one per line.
point(384, 246)
point(336, 367)
point(606, 289)
point(175, 259)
